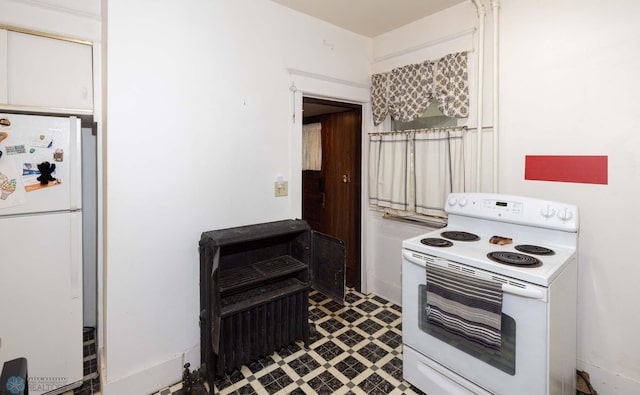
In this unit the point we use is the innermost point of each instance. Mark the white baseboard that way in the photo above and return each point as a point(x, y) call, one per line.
point(192, 356)
point(606, 382)
point(154, 378)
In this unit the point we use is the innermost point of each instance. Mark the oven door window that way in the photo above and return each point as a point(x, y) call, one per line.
point(505, 359)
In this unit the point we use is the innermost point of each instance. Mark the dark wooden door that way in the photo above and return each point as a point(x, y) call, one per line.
point(342, 186)
point(331, 197)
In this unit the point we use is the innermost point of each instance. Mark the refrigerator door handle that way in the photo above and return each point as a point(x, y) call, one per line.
point(75, 172)
point(76, 254)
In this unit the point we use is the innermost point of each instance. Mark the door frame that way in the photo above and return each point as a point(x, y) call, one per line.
point(304, 84)
point(343, 156)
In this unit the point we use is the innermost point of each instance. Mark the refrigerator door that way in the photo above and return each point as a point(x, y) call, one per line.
point(41, 298)
point(31, 140)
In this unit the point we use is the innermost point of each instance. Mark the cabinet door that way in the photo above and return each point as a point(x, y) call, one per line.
point(48, 72)
point(328, 266)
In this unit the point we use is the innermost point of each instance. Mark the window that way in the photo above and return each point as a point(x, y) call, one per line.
point(431, 118)
point(415, 166)
point(412, 172)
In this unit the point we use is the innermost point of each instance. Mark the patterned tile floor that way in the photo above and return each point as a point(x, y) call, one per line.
point(357, 349)
point(91, 382)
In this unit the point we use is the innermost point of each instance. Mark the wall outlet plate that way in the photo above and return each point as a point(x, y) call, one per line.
point(280, 190)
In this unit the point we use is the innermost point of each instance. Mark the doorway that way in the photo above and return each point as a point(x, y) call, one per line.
point(331, 195)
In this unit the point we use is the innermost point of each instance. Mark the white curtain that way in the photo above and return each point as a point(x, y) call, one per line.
point(388, 160)
point(439, 168)
point(312, 146)
point(413, 172)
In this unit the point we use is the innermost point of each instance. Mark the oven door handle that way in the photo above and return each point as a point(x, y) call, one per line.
point(510, 289)
point(527, 293)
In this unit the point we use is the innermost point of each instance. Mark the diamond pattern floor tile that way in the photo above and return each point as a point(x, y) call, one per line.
point(357, 350)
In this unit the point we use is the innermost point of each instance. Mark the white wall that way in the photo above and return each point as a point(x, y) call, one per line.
point(198, 128)
point(430, 38)
point(384, 245)
point(568, 86)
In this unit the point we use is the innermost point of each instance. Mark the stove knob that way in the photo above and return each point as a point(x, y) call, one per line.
point(548, 212)
point(463, 201)
point(452, 200)
point(565, 214)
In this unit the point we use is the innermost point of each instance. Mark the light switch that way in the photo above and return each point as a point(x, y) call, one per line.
point(281, 188)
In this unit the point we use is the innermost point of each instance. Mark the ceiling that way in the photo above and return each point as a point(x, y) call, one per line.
point(369, 18)
point(314, 109)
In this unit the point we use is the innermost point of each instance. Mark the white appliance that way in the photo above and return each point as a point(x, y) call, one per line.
point(537, 322)
point(41, 250)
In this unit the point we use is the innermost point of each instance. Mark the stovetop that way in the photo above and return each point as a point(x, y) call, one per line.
point(514, 220)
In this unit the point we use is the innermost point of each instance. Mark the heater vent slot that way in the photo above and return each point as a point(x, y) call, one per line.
point(515, 284)
point(467, 270)
point(462, 269)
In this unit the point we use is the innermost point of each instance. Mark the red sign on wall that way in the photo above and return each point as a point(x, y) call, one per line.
point(580, 169)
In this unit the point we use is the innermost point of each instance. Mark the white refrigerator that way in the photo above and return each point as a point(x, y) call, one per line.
point(41, 249)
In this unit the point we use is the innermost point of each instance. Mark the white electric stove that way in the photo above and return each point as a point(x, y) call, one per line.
point(528, 247)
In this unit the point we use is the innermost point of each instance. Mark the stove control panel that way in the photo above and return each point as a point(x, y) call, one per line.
point(515, 209)
point(502, 206)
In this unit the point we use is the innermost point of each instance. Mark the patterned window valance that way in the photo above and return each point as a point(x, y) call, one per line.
point(406, 92)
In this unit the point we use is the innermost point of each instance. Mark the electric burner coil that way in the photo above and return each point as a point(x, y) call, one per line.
point(534, 249)
point(436, 242)
point(460, 236)
point(514, 258)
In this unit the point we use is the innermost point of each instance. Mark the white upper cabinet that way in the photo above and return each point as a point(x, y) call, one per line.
point(37, 71)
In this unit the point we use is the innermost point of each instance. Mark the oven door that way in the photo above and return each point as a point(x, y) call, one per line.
point(521, 364)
